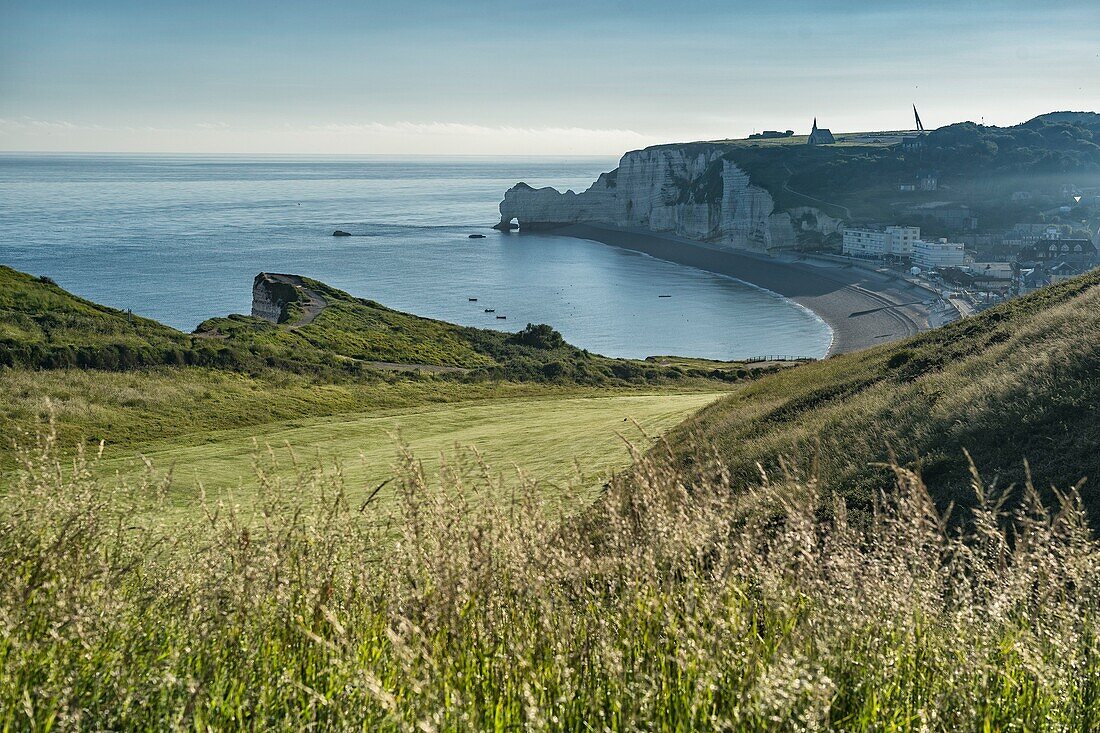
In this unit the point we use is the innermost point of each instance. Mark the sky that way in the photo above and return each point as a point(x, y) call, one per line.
point(542, 77)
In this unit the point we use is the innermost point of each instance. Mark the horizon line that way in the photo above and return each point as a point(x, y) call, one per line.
point(318, 155)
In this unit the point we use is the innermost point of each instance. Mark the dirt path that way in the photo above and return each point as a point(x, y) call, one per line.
point(788, 189)
point(311, 306)
point(393, 366)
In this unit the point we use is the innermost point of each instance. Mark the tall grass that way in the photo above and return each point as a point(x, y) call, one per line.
point(668, 605)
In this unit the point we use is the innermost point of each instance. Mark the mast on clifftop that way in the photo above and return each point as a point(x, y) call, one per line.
point(920, 126)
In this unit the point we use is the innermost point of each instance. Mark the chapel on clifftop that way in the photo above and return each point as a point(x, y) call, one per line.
point(820, 136)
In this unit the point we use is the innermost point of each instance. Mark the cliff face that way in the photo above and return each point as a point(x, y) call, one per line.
point(689, 190)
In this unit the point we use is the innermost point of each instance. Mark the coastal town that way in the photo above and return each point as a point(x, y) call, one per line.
point(1044, 234)
point(977, 268)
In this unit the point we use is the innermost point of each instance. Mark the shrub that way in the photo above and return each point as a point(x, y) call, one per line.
point(555, 370)
point(899, 358)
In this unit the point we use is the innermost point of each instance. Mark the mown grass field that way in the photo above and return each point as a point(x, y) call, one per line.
point(569, 443)
point(307, 392)
point(134, 410)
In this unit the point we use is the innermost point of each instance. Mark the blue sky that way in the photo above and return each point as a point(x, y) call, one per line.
point(519, 77)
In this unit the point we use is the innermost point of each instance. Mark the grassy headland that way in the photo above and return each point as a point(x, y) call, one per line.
point(975, 165)
point(45, 327)
point(1018, 382)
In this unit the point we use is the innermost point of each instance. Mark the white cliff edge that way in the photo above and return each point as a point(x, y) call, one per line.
point(690, 191)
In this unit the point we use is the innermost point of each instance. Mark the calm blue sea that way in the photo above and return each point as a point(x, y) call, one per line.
point(179, 239)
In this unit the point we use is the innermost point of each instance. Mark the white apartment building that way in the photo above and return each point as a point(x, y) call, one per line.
point(899, 240)
point(867, 243)
point(875, 244)
point(941, 253)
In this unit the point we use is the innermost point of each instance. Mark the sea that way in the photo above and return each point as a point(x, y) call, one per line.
point(179, 238)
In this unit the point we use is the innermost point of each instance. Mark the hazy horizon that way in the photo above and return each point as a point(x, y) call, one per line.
point(520, 78)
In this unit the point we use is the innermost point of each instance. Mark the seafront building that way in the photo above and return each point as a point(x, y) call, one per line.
point(941, 253)
point(865, 243)
point(900, 240)
point(992, 277)
point(878, 244)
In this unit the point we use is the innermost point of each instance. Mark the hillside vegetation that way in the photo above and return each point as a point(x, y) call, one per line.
point(359, 331)
point(349, 327)
point(43, 325)
point(1019, 381)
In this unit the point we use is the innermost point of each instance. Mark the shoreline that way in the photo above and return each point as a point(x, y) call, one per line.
point(863, 307)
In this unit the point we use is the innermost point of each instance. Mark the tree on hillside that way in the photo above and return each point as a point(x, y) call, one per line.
point(541, 336)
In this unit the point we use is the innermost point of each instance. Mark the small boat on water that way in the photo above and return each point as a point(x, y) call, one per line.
point(490, 310)
point(501, 318)
point(473, 300)
point(664, 296)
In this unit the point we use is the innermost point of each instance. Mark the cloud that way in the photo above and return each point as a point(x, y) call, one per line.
point(452, 128)
point(436, 137)
point(458, 137)
point(27, 123)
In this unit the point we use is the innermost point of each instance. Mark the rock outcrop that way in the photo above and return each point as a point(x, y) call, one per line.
point(289, 300)
point(271, 294)
point(689, 190)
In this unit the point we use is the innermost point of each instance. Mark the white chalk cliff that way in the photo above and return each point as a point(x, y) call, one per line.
point(688, 190)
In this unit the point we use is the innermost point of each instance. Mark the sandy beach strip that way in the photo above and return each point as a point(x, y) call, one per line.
point(864, 308)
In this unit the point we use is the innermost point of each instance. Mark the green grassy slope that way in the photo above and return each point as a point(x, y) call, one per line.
point(357, 329)
point(1020, 381)
point(43, 326)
